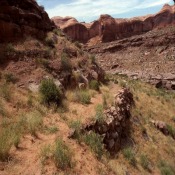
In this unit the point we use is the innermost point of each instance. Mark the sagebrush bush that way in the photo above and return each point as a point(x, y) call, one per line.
point(16, 139)
point(76, 125)
point(50, 93)
point(5, 143)
point(165, 168)
point(5, 92)
point(62, 155)
point(171, 130)
point(57, 32)
point(34, 122)
point(65, 62)
point(105, 105)
point(94, 84)
point(50, 42)
point(130, 156)
point(83, 96)
point(52, 129)
point(94, 141)
point(3, 112)
point(99, 116)
point(144, 161)
point(45, 153)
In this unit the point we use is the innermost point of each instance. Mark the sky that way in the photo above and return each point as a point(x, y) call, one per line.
point(89, 10)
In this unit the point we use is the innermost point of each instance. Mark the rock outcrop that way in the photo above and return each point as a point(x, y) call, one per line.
point(114, 29)
point(22, 17)
point(116, 123)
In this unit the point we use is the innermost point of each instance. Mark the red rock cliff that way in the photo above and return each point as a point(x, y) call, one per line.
point(114, 29)
point(22, 17)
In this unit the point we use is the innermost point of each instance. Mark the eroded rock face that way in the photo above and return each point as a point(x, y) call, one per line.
point(114, 29)
point(116, 124)
point(19, 18)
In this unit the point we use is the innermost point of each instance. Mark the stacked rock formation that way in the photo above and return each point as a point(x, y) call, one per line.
point(116, 123)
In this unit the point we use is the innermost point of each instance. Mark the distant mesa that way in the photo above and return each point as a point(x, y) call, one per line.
point(107, 28)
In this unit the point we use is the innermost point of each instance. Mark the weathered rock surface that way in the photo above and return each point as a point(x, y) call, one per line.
point(19, 18)
point(116, 123)
point(114, 29)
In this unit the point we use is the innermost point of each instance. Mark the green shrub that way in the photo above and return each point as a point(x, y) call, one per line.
point(62, 155)
point(57, 32)
point(95, 142)
point(50, 93)
point(94, 85)
point(84, 97)
point(171, 130)
point(45, 153)
point(65, 62)
point(52, 129)
point(5, 143)
point(144, 161)
point(50, 42)
point(130, 156)
point(10, 78)
point(99, 116)
point(105, 105)
point(34, 122)
point(16, 140)
point(165, 168)
point(123, 84)
point(5, 92)
point(76, 125)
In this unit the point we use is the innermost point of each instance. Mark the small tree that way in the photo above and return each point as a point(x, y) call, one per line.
point(50, 93)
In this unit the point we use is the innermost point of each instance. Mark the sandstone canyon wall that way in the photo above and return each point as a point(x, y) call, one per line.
point(115, 28)
point(22, 17)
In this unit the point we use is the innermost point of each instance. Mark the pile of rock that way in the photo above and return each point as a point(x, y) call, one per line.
point(116, 122)
point(164, 128)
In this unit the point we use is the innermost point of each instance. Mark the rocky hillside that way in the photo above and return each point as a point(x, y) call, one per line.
point(115, 29)
point(150, 57)
point(22, 18)
point(60, 113)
